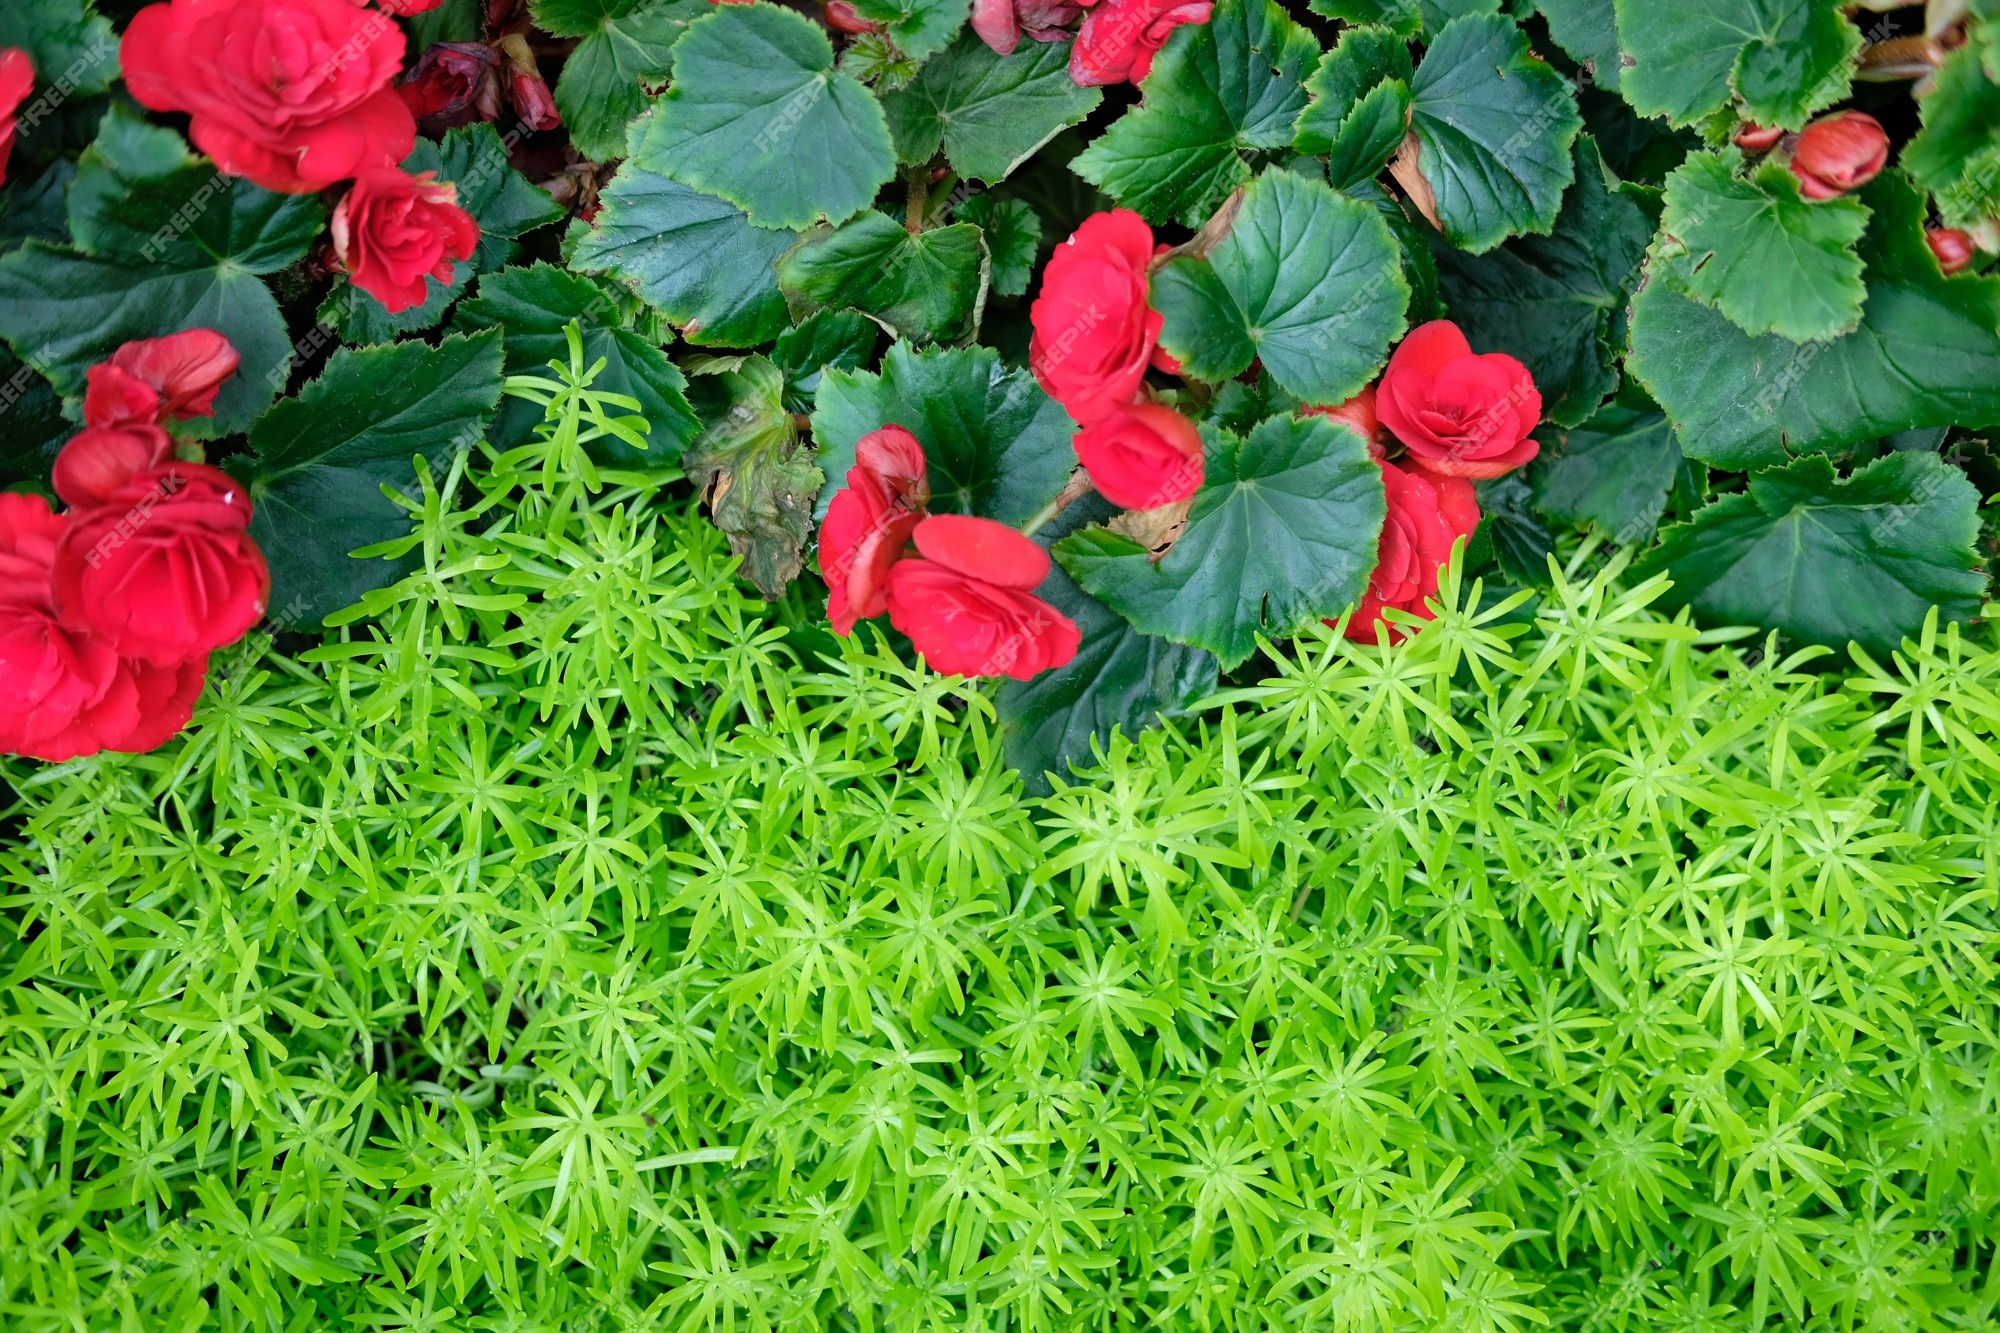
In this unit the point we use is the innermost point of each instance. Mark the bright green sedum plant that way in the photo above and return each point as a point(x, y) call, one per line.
point(581, 943)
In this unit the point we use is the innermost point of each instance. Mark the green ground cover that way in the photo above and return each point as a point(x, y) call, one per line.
point(582, 943)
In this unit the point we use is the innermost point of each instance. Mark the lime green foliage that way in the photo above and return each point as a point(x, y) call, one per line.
point(577, 947)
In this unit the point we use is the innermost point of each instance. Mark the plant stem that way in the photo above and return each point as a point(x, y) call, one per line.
point(1073, 490)
point(918, 178)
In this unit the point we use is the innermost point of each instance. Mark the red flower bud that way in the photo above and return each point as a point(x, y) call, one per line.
point(1758, 138)
point(842, 16)
point(1142, 456)
point(17, 80)
point(1953, 248)
point(532, 103)
point(1839, 153)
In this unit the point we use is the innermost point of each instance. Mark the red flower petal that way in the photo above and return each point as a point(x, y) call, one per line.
point(982, 549)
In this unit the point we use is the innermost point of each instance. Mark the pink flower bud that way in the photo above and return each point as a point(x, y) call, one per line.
point(1758, 138)
point(1952, 247)
point(532, 103)
point(842, 16)
point(1839, 153)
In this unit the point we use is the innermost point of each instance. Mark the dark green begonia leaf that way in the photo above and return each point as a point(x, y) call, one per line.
point(1956, 155)
point(532, 307)
point(829, 340)
point(1120, 679)
point(1216, 90)
point(1615, 470)
point(1283, 532)
point(1828, 560)
point(35, 426)
point(72, 47)
point(1306, 279)
point(626, 45)
point(1013, 232)
point(1360, 106)
point(694, 258)
point(1494, 125)
point(1407, 18)
point(1927, 353)
point(927, 287)
point(989, 112)
point(1401, 17)
point(1557, 302)
point(1784, 59)
point(1588, 31)
point(1511, 533)
point(319, 462)
point(996, 445)
point(759, 116)
point(1760, 252)
point(162, 243)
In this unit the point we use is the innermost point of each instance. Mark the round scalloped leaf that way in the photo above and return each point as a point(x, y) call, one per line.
point(1760, 252)
point(1927, 354)
point(70, 46)
point(1234, 83)
point(1827, 560)
point(1398, 16)
point(989, 112)
point(997, 446)
point(694, 258)
point(1308, 280)
point(1406, 18)
point(757, 115)
point(1282, 533)
point(1556, 301)
point(926, 287)
point(1784, 58)
point(1494, 125)
point(829, 340)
